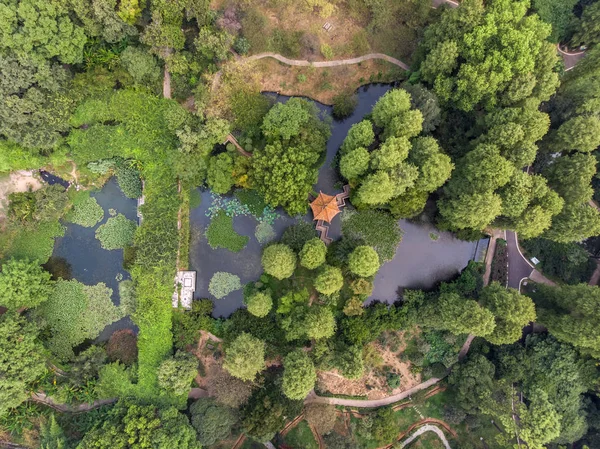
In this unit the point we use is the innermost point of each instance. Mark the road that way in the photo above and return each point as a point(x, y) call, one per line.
point(519, 268)
point(422, 430)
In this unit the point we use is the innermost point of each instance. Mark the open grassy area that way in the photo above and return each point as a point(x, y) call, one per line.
point(428, 440)
point(301, 437)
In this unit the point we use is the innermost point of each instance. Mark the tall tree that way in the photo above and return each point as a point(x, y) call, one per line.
point(299, 375)
point(245, 357)
point(23, 283)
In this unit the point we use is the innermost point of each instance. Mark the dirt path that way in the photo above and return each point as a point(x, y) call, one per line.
point(167, 84)
point(66, 408)
point(596, 275)
point(361, 403)
point(337, 63)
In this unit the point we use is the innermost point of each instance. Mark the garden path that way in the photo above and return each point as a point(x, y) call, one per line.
point(570, 59)
point(337, 63)
point(422, 430)
point(79, 408)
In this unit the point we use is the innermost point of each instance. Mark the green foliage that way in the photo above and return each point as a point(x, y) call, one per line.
point(296, 235)
point(187, 324)
point(355, 163)
point(128, 178)
point(116, 233)
point(212, 422)
point(363, 261)
point(567, 261)
point(52, 436)
point(319, 323)
point(228, 390)
point(320, 416)
point(131, 425)
point(279, 261)
point(385, 426)
point(360, 135)
point(87, 213)
point(260, 303)
point(299, 375)
point(122, 347)
point(313, 253)
point(20, 361)
point(285, 170)
point(374, 228)
point(568, 313)
point(176, 373)
point(589, 30)
point(470, 64)
point(44, 205)
point(223, 283)
point(344, 104)
point(23, 283)
point(264, 233)
point(35, 243)
point(329, 280)
point(559, 14)
point(512, 312)
point(390, 105)
point(245, 357)
point(579, 133)
point(76, 312)
point(220, 233)
point(219, 176)
point(141, 65)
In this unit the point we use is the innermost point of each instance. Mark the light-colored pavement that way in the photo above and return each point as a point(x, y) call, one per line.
point(519, 267)
point(422, 430)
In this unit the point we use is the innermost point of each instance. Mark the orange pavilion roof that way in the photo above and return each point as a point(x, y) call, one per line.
point(324, 207)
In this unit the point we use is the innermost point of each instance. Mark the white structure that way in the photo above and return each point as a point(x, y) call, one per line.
point(185, 286)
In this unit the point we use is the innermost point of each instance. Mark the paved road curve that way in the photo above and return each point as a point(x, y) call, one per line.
point(518, 267)
point(422, 430)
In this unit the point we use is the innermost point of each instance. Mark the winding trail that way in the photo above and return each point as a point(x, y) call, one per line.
point(372, 403)
point(337, 63)
point(66, 408)
point(422, 430)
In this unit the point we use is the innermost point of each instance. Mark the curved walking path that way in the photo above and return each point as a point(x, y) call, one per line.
point(67, 408)
point(337, 63)
point(312, 397)
point(519, 268)
point(422, 430)
point(570, 59)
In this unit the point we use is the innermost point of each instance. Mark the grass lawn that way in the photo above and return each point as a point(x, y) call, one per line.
point(300, 437)
point(428, 440)
point(220, 234)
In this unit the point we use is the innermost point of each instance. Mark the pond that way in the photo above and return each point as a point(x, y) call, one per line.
point(87, 261)
point(420, 261)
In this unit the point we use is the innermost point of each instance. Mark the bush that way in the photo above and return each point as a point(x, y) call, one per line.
point(363, 261)
point(264, 233)
point(327, 51)
point(223, 283)
point(212, 422)
point(329, 280)
point(344, 105)
point(279, 261)
point(117, 232)
point(299, 375)
point(220, 233)
point(122, 347)
point(296, 235)
point(87, 213)
point(23, 283)
point(128, 178)
point(313, 253)
point(241, 45)
point(245, 357)
point(260, 304)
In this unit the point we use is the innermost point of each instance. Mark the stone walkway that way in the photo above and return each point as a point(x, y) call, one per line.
point(340, 62)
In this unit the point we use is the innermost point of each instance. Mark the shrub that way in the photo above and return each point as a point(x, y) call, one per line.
point(344, 105)
point(279, 261)
point(175, 374)
point(321, 416)
point(264, 233)
point(117, 232)
point(212, 421)
point(228, 390)
point(122, 347)
point(363, 261)
point(241, 45)
point(128, 178)
point(313, 253)
point(220, 234)
point(327, 51)
point(223, 283)
point(296, 235)
point(87, 213)
point(260, 304)
point(329, 280)
point(23, 283)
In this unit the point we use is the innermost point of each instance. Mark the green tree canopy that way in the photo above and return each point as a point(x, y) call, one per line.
point(458, 315)
point(329, 280)
point(363, 261)
point(279, 261)
point(21, 361)
point(581, 133)
point(23, 283)
point(245, 357)
point(512, 312)
point(260, 303)
point(390, 105)
point(213, 422)
point(220, 173)
point(360, 135)
point(319, 323)
point(355, 163)
point(175, 374)
point(299, 375)
point(489, 56)
point(589, 28)
point(313, 253)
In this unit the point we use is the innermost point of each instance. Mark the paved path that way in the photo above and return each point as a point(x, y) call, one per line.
point(422, 430)
point(361, 403)
point(47, 400)
point(339, 62)
point(519, 267)
point(570, 59)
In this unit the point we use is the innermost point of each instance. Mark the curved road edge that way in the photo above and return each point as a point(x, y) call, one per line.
point(422, 430)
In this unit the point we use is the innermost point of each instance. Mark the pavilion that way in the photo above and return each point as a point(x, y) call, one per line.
point(325, 208)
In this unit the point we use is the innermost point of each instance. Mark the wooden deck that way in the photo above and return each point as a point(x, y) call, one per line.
point(322, 227)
